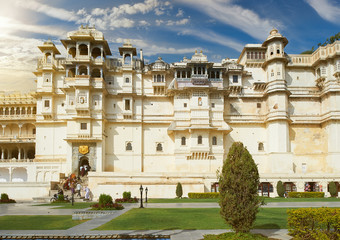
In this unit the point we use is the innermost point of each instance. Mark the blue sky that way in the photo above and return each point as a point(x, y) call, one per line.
point(170, 29)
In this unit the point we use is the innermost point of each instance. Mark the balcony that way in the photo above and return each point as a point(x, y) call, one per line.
point(199, 79)
point(320, 82)
point(82, 80)
point(18, 117)
point(27, 138)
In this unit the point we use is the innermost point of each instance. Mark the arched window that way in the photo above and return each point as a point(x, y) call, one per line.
point(83, 49)
point(217, 74)
point(260, 146)
point(48, 58)
point(199, 70)
point(183, 141)
point(178, 74)
point(159, 147)
point(212, 74)
point(127, 59)
point(214, 140)
point(195, 70)
point(199, 139)
point(96, 52)
point(128, 146)
point(127, 80)
point(159, 78)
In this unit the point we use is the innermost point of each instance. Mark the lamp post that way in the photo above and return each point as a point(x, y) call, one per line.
point(146, 194)
point(141, 196)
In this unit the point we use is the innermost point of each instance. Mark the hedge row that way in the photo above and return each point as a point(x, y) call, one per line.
point(314, 223)
point(306, 194)
point(204, 195)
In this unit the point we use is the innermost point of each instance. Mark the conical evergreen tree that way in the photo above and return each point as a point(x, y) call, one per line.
point(179, 190)
point(238, 183)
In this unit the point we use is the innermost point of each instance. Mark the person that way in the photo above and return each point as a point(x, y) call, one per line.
point(81, 170)
point(285, 194)
point(78, 188)
point(72, 186)
point(87, 193)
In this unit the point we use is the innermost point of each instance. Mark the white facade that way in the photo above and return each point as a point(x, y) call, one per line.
point(160, 124)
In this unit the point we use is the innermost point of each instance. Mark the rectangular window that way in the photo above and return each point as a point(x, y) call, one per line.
point(185, 105)
point(47, 103)
point(127, 104)
point(83, 126)
point(235, 78)
point(258, 105)
point(212, 105)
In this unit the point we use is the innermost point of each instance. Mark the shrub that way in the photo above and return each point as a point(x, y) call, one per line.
point(235, 236)
point(126, 195)
point(61, 198)
point(105, 199)
point(280, 189)
point(204, 195)
point(179, 190)
point(306, 194)
point(314, 223)
point(107, 206)
point(333, 189)
point(238, 183)
point(4, 197)
point(126, 200)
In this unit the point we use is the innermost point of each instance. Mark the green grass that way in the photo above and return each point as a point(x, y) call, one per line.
point(267, 200)
point(76, 205)
point(37, 222)
point(189, 218)
point(235, 236)
point(180, 200)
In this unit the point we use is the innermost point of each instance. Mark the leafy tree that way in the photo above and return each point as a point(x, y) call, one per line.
point(329, 40)
point(238, 183)
point(332, 189)
point(179, 190)
point(280, 189)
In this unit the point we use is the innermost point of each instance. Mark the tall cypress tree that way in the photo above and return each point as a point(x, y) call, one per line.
point(238, 184)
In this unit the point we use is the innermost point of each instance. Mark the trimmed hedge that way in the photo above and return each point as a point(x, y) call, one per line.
point(5, 199)
point(204, 195)
point(314, 223)
point(306, 194)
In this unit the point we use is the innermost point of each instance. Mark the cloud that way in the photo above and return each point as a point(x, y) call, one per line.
point(180, 13)
point(10, 26)
point(179, 22)
point(211, 36)
point(144, 23)
point(117, 17)
point(326, 9)
point(236, 16)
point(58, 13)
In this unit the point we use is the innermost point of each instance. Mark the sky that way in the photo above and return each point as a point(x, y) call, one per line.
point(170, 29)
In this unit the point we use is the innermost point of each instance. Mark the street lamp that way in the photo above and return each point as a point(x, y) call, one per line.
point(146, 194)
point(141, 196)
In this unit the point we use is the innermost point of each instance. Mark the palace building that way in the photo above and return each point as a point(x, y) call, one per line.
point(159, 124)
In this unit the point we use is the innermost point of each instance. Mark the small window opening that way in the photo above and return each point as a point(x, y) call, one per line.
point(199, 140)
point(185, 105)
point(128, 146)
point(258, 105)
point(183, 141)
point(260, 146)
point(83, 126)
point(214, 140)
point(159, 147)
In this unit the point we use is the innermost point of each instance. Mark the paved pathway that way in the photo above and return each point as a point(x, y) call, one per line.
point(85, 228)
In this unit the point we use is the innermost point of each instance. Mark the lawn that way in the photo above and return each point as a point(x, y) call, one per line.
point(37, 222)
point(189, 218)
point(76, 205)
point(267, 200)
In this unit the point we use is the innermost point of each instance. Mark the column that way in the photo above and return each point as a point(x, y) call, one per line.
point(88, 70)
point(88, 51)
point(77, 49)
point(77, 69)
point(101, 73)
point(20, 126)
point(19, 153)
point(10, 174)
point(67, 72)
point(101, 52)
point(3, 129)
point(2, 153)
point(25, 153)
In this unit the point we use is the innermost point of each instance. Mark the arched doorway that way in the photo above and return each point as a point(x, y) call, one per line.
point(84, 166)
